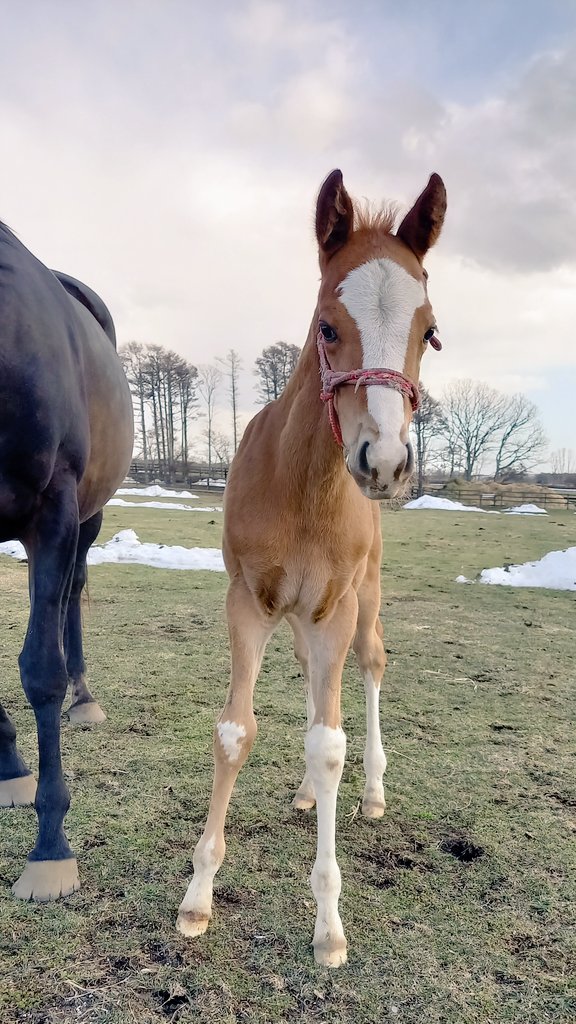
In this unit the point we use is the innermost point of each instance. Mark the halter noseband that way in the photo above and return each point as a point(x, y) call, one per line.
point(332, 379)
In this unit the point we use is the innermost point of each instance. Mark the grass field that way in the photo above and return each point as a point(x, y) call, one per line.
point(459, 906)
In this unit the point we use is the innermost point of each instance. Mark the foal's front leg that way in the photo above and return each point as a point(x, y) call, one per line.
point(369, 650)
point(325, 746)
point(234, 735)
point(305, 798)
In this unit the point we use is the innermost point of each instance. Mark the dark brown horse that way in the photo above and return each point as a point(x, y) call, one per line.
point(66, 436)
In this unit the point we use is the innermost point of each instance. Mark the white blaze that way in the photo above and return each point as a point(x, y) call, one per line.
point(382, 298)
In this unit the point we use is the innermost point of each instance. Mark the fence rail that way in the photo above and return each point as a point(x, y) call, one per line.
point(197, 473)
point(499, 499)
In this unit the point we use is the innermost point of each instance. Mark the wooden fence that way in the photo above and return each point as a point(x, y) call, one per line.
point(500, 499)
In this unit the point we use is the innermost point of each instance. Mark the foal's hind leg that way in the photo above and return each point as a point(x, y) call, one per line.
point(233, 738)
point(304, 798)
point(17, 784)
point(83, 709)
point(369, 650)
point(51, 870)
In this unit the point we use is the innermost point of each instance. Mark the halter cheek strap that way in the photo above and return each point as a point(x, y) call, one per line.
point(332, 379)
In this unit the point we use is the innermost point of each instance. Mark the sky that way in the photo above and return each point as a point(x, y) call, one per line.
point(169, 153)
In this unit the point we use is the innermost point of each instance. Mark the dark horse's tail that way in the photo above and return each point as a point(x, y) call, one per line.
point(91, 300)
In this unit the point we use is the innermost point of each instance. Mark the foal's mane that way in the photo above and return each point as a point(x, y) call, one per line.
point(368, 217)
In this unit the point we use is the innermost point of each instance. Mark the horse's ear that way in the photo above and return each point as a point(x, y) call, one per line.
point(423, 224)
point(334, 214)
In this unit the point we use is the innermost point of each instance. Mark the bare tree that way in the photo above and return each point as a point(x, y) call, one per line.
point(273, 368)
point(163, 385)
point(133, 359)
point(426, 424)
point(209, 377)
point(186, 377)
point(563, 460)
point(522, 440)
point(473, 416)
point(222, 445)
point(231, 364)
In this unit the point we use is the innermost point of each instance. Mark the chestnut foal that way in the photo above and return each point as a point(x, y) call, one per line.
point(301, 537)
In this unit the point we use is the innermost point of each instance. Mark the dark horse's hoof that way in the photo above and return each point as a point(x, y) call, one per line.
point(88, 713)
point(18, 792)
point(47, 880)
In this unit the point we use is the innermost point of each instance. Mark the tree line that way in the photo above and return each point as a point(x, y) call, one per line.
point(175, 402)
point(470, 428)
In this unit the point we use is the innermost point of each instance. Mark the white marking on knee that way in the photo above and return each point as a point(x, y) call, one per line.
point(231, 735)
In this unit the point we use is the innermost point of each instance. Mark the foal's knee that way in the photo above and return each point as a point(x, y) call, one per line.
point(371, 655)
point(325, 753)
point(233, 739)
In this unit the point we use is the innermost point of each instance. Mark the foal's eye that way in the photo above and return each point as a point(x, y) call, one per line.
point(327, 332)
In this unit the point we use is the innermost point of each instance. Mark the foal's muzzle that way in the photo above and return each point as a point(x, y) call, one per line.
point(377, 477)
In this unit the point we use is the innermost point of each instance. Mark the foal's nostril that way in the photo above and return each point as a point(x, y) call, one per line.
point(363, 460)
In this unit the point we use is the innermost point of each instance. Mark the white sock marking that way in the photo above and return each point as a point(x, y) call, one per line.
point(325, 752)
point(374, 756)
point(198, 897)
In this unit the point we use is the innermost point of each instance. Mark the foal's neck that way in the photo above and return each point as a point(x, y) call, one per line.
point(312, 459)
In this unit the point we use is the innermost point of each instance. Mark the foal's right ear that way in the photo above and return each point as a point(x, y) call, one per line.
point(334, 214)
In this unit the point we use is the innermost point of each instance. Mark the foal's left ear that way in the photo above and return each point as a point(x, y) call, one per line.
point(423, 224)
point(334, 214)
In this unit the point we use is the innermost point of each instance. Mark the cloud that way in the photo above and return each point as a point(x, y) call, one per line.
point(171, 159)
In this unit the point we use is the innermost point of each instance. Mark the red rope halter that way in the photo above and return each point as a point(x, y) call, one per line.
point(332, 379)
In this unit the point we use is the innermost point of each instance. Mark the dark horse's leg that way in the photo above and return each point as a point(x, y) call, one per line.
point(84, 709)
point(51, 869)
point(17, 784)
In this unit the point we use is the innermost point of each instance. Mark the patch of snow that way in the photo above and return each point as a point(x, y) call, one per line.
point(14, 549)
point(555, 571)
point(125, 547)
point(154, 491)
point(121, 502)
point(445, 505)
point(525, 510)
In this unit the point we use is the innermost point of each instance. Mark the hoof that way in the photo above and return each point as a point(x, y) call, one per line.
point(18, 792)
point(192, 924)
point(330, 955)
point(47, 880)
point(303, 801)
point(373, 809)
point(88, 713)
